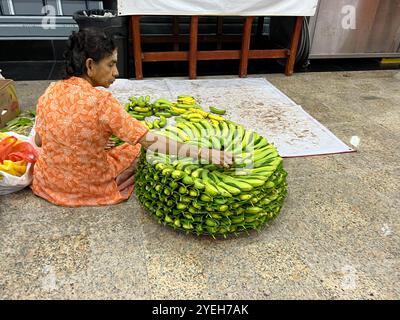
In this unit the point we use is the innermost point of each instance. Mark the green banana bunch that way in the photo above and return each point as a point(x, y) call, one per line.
point(199, 198)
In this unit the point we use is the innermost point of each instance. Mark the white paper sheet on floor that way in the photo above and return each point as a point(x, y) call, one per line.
point(252, 102)
point(218, 8)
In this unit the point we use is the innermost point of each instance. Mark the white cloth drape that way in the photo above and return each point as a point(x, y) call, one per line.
point(218, 7)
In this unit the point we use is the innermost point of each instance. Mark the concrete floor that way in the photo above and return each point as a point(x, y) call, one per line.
point(336, 238)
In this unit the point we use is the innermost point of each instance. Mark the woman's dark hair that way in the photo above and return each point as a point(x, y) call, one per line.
point(85, 44)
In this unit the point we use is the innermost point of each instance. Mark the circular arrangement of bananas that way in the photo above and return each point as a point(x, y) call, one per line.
point(204, 199)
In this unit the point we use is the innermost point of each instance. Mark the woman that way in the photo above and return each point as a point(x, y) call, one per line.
point(74, 123)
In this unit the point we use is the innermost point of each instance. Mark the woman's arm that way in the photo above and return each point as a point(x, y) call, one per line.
point(162, 144)
point(38, 140)
point(119, 122)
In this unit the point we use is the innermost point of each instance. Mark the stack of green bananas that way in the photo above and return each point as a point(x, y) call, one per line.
point(22, 124)
point(203, 199)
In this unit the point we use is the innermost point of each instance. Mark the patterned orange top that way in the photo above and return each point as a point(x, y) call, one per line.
point(75, 121)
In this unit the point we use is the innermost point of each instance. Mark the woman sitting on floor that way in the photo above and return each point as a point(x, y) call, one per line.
point(74, 123)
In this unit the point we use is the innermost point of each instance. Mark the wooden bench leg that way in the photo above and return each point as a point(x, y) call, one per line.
point(294, 44)
point(175, 32)
point(194, 24)
point(220, 28)
point(244, 56)
point(137, 48)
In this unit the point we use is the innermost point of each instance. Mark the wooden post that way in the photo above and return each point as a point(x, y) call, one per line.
point(137, 48)
point(294, 44)
point(244, 56)
point(194, 24)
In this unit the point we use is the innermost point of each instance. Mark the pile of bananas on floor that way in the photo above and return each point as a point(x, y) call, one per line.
point(201, 198)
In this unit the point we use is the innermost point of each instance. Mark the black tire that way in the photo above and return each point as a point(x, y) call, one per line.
point(280, 34)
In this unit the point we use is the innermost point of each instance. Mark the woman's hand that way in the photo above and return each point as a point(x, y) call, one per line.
point(164, 145)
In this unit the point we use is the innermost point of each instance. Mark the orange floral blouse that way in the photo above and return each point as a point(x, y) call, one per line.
point(75, 121)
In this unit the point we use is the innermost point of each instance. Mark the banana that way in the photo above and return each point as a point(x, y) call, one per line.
point(206, 143)
point(149, 125)
point(179, 132)
point(164, 114)
point(214, 122)
point(217, 130)
point(224, 192)
point(215, 182)
point(217, 111)
point(196, 173)
point(191, 115)
point(185, 96)
point(186, 99)
point(156, 124)
point(198, 184)
point(201, 143)
point(133, 100)
point(163, 101)
point(138, 116)
point(163, 122)
point(265, 155)
point(237, 220)
point(178, 110)
point(253, 210)
point(248, 139)
point(195, 120)
point(243, 186)
point(200, 128)
point(209, 128)
point(184, 106)
point(267, 159)
point(252, 181)
point(240, 132)
point(261, 143)
point(216, 144)
point(187, 180)
point(127, 107)
point(141, 102)
point(217, 118)
point(180, 119)
point(186, 129)
point(225, 129)
point(209, 188)
point(231, 134)
point(199, 111)
point(232, 190)
point(189, 169)
point(182, 164)
point(142, 109)
point(170, 135)
point(196, 132)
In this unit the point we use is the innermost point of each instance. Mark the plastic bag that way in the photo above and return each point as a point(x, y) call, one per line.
point(6, 146)
point(10, 183)
point(14, 150)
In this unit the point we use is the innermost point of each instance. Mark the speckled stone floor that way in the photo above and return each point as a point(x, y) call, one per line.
point(338, 236)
